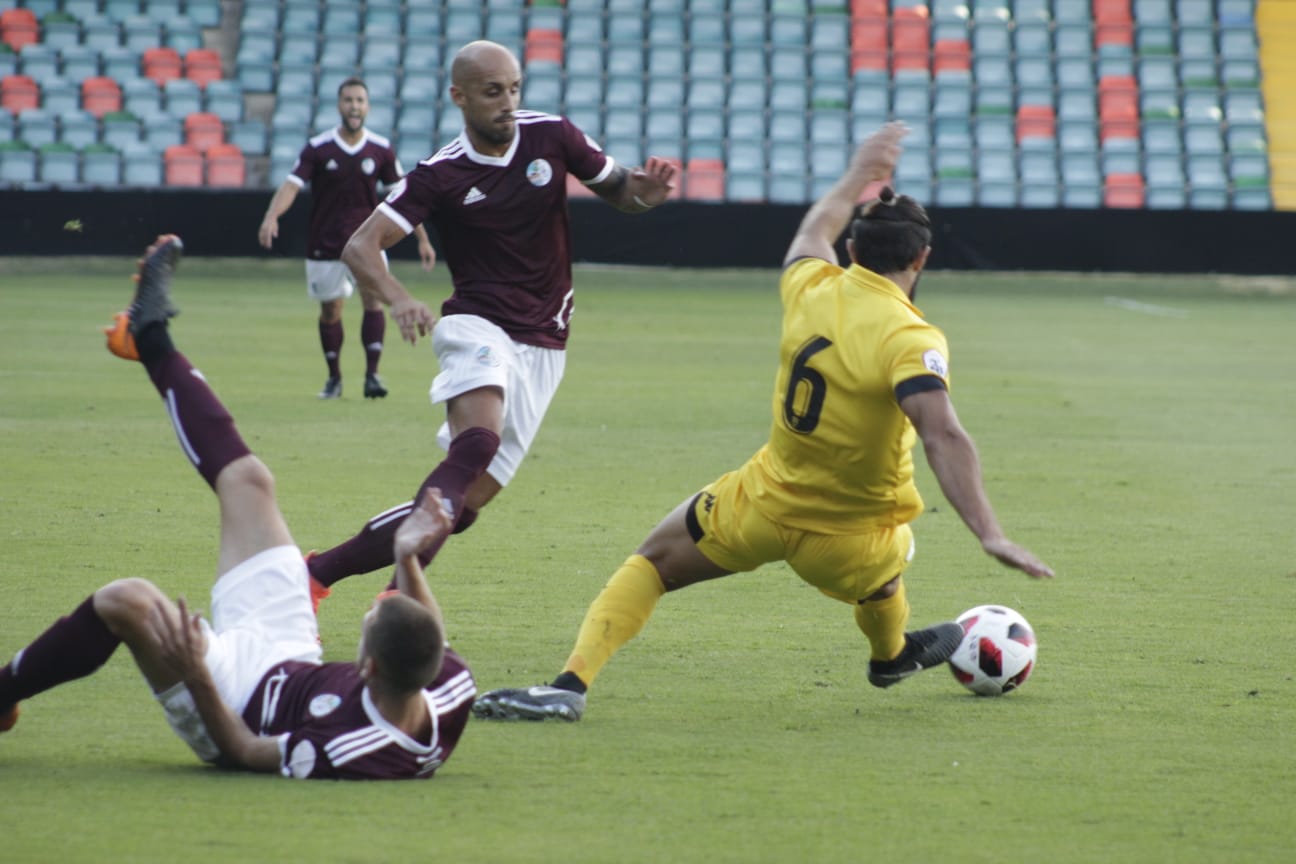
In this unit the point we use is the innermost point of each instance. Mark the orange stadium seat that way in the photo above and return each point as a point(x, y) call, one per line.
point(1124, 191)
point(18, 93)
point(704, 180)
point(1118, 108)
point(203, 65)
point(911, 39)
point(182, 165)
point(868, 9)
point(226, 166)
point(19, 27)
point(1112, 12)
point(100, 95)
point(162, 64)
point(545, 46)
point(869, 43)
point(204, 130)
point(1036, 121)
point(951, 54)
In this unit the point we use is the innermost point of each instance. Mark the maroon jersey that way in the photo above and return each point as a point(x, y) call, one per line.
point(343, 180)
point(329, 728)
point(503, 223)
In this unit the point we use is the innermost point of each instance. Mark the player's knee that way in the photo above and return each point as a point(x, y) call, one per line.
point(887, 590)
point(247, 473)
point(126, 603)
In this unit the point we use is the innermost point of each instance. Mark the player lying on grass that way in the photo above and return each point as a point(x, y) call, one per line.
point(249, 689)
point(832, 492)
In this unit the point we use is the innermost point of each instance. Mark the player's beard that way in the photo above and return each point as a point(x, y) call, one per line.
point(495, 134)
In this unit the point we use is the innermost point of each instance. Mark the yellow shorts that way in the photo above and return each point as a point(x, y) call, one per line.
point(731, 532)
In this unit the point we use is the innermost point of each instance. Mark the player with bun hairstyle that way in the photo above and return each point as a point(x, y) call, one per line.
point(861, 375)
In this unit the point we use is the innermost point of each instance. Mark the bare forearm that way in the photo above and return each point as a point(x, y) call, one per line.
point(411, 582)
point(282, 200)
point(372, 275)
point(238, 745)
point(953, 459)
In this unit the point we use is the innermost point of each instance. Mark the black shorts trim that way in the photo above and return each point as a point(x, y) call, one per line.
point(691, 521)
point(921, 384)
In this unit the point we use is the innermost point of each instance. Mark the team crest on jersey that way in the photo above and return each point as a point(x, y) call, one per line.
point(935, 362)
point(324, 704)
point(486, 357)
point(367, 165)
point(539, 173)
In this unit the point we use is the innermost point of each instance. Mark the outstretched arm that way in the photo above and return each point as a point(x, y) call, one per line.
point(363, 256)
point(428, 522)
point(636, 190)
point(283, 199)
point(824, 222)
point(953, 459)
point(182, 647)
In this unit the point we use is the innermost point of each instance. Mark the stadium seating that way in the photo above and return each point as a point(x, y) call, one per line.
point(182, 165)
point(1010, 102)
point(226, 166)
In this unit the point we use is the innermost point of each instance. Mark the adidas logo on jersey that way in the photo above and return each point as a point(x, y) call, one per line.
point(474, 195)
point(331, 165)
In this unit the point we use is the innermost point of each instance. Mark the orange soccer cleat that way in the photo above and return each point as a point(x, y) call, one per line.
point(9, 718)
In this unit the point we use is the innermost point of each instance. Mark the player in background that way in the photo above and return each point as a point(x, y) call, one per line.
point(832, 491)
point(248, 690)
point(343, 167)
point(497, 196)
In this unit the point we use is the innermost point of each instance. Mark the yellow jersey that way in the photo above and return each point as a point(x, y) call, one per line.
point(838, 458)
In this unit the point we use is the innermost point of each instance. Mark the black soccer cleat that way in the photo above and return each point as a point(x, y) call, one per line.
point(152, 303)
point(923, 650)
point(533, 703)
point(373, 387)
point(332, 388)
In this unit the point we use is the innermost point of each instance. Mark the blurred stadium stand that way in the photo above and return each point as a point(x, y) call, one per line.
point(1166, 104)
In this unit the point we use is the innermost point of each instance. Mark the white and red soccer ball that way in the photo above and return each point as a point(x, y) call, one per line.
point(997, 653)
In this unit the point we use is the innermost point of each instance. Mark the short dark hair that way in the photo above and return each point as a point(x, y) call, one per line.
point(889, 232)
point(406, 643)
point(353, 81)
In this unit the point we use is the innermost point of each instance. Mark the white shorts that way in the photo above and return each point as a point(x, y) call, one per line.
point(473, 353)
point(261, 615)
point(328, 280)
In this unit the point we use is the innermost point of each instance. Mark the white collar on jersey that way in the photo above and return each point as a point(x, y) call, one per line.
point(482, 158)
point(350, 149)
point(406, 742)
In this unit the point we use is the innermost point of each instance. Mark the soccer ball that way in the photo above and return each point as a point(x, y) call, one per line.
point(997, 653)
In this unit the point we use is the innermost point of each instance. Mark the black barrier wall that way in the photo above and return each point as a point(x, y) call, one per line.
point(223, 224)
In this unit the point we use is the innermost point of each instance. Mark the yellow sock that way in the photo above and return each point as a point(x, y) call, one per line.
point(615, 617)
point(883, 622)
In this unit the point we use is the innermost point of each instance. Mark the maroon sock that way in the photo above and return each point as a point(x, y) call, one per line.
point(371, 549)
point(373, 326)
point(73, 647)
point(331, 342)
point(204, 428)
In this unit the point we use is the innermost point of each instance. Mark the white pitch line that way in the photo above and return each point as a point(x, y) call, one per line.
point(1146, 308)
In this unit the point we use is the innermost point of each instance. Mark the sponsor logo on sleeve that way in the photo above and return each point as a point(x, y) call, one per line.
point(935, 363)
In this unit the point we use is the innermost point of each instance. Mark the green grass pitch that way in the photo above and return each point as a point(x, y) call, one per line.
point(1138, 433)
